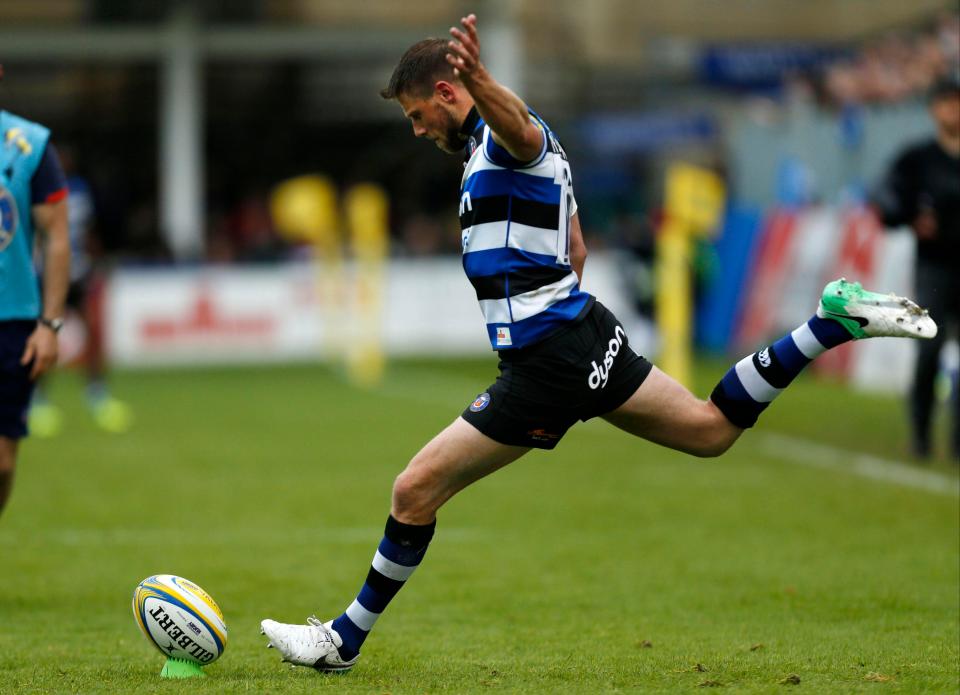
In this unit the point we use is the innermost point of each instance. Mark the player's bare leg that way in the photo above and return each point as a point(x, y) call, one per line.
point(456, 457)
point(664, 412)
point(8, 462)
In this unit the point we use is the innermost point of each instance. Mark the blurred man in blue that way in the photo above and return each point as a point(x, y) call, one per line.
point(922, 191)
point(33, 194)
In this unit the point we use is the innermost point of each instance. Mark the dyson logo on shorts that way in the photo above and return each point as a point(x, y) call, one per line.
point(601, 372)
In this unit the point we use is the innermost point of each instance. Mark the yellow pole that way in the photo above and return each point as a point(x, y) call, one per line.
point(693, 207)
point(366, 208)
point(674, 299)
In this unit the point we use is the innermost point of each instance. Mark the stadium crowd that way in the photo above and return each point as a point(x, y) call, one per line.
point(892, 68)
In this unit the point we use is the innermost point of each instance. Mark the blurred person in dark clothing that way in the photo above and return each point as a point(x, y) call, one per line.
point(85, 302)
point(922, 190)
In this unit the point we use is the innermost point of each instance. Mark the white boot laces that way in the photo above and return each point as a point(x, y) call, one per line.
point(320, 634)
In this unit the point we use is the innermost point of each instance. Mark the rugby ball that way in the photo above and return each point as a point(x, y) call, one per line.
point(180, 618)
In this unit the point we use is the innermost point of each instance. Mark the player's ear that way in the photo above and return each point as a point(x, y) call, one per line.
point(445, 92)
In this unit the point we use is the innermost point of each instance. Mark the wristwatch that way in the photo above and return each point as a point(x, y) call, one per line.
point(53, 324)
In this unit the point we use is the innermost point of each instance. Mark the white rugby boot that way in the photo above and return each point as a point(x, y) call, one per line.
point(314, 644)
point(868, 314)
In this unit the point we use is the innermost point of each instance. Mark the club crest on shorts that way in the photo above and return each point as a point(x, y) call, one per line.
point(482, 401)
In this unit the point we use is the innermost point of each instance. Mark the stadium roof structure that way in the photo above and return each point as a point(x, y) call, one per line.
point(620, 40)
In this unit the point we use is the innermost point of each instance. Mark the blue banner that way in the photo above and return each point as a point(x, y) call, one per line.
point(762, 66)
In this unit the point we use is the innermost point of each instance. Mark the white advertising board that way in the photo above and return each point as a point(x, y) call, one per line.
point(299, 311)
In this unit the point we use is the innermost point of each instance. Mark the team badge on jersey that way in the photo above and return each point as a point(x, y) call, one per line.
point(503, 336)
point(8, 217)
point(482, 401)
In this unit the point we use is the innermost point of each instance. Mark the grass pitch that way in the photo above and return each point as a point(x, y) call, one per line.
point(609, 565)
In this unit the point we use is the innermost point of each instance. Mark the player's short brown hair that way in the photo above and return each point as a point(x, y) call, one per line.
point(419, 68)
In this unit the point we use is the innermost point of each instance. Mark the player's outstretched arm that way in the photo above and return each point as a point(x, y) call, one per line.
point(501, 109)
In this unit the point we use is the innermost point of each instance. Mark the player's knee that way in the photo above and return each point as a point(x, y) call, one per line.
point(715, 433)
point(714, 437)
point(413, 496)
point(710, 447)
point(717, 440)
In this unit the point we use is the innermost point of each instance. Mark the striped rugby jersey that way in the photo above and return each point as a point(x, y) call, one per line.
point(515, 227)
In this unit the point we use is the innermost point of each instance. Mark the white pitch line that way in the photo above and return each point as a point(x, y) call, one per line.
point(810, 453)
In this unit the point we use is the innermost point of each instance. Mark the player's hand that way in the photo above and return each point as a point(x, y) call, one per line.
point(464, 53)
point(41, 349)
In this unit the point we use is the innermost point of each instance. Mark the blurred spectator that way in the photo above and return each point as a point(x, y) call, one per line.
point(245, 233)
point(922, 190)
point(895, 67)
point(85, 301)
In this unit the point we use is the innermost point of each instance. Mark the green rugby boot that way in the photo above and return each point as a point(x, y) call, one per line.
point(868, 314)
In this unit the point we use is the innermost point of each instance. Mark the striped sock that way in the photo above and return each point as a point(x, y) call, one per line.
point(398, 555)
point(752, 384)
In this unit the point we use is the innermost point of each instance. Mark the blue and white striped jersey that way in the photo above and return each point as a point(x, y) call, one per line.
point(515, 226)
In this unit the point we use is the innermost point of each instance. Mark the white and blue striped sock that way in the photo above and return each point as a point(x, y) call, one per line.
point(753, 382)
point(397, 556)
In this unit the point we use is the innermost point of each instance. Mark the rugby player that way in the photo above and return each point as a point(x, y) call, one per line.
point(33, 194)
point(563, 356)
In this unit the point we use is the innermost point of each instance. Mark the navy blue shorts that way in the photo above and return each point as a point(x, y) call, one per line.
point(586, 370)
point(16, 387)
